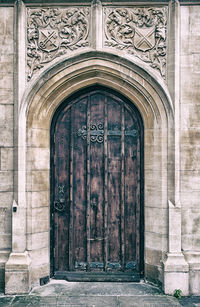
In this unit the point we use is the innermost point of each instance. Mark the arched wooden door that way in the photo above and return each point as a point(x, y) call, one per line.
point(96, 189)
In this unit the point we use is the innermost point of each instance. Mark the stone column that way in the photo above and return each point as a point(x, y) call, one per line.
point(17, 267)
point(175, 267)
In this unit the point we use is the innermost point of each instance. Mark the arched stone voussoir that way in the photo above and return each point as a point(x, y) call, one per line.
point(66, 77)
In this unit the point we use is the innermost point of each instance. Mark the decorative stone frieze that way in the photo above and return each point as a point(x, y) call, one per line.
point(140, 32)
point(52, 32)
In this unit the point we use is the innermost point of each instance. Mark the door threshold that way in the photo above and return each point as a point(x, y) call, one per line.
point(98, 276)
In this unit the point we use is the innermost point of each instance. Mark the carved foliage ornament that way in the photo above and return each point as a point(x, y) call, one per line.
point(52, 32)
point(138, 31)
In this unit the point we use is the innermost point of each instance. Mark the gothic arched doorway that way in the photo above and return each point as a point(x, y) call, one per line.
point(97, 188)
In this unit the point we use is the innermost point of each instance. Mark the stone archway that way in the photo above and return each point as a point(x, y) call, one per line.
point(37, 111)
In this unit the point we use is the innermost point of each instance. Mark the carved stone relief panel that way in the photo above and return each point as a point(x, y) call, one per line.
point(52, 32)
point(138, 31)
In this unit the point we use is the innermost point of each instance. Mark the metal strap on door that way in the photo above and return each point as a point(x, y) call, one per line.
point(97, 132)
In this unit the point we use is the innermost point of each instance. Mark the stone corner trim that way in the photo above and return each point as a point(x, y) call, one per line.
point(53, 32)
point(140, 31)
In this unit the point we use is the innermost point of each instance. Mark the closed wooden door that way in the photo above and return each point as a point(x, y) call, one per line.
point(96, 189)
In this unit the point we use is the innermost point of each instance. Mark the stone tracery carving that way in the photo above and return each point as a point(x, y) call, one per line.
point(52, 32)
point(140, 32)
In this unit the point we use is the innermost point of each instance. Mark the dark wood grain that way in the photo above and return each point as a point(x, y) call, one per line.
point(96, 187)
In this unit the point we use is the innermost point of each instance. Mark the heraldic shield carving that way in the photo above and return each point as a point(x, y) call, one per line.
point(48, 40)
point(52, 32)
point(144, 38)
point(140, 32)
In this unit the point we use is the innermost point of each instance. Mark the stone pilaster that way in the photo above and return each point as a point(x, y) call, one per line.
point(17, 268)
point(175, 267)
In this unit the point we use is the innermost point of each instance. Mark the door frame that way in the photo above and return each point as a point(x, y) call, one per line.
point(66, 102)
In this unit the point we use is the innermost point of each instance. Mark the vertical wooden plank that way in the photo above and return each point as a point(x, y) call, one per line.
point(56, 247)
point(114, 184)
point(141, 177)
point(138, 213)
point(105, 183)
point(122, 187)
point(131, 180)
point(71, 193)
point(88, 182)
point(61, 191)
point(79, 183)
point(97, 181)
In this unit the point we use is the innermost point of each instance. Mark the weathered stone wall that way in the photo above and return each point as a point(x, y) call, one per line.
point(190, 126)
point(6, 134)
point(190, 138)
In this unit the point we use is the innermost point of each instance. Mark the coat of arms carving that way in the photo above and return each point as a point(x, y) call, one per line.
point(52, 32)
point(48, 40)
point(144, 38)
point(138, 31)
